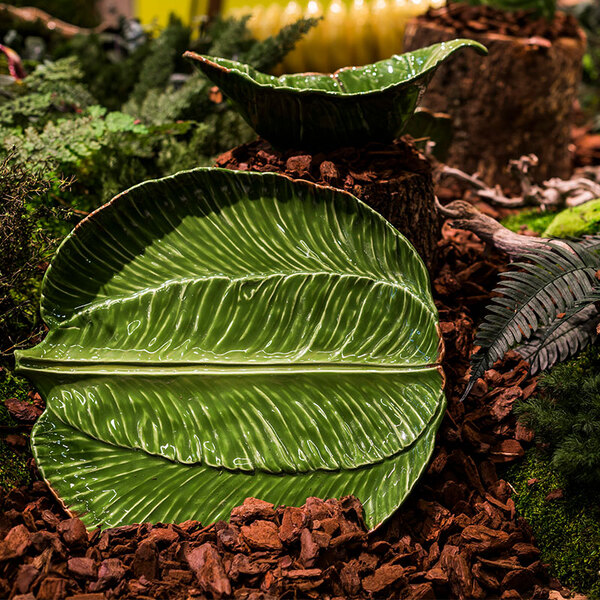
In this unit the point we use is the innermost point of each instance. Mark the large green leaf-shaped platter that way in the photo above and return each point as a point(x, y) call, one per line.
point(352, 106)
point(216, 335)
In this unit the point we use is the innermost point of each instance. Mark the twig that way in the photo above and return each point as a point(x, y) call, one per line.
point(465, 216)
point(30, 14)
point(553, 192)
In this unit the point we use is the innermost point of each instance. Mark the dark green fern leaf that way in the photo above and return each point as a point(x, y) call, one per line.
point(591, 243)
point(551, 281)
point(563, 339)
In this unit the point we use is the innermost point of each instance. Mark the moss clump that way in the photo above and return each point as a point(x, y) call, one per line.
point(567, 530)
point(13, 468)
point(13, 465)
point(532, 219)
point(566, 419)
point(11, 387)
point(576, 221)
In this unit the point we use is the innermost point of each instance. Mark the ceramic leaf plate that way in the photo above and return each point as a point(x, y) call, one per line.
point(216, 335)
point(352, 106)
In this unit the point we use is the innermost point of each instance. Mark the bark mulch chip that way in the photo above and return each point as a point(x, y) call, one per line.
point(457, 536)
point(473, 20)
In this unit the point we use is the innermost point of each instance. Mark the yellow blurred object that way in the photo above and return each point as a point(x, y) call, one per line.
point(351, 32)
point(357, 33)
point(156, 12)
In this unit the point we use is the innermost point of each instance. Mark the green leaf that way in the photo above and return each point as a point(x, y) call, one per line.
point(351, 106)
point(217, 335)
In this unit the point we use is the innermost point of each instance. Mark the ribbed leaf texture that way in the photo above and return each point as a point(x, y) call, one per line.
point(549, 282)
point(217, 335)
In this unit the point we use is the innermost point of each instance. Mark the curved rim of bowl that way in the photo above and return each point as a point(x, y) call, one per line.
point(233, 68)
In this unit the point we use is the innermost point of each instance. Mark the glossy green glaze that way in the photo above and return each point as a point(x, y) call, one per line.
point(352, 106)
point(217, 335)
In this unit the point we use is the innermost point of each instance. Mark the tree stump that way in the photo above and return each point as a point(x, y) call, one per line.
point(516, 101)
point(394, 179)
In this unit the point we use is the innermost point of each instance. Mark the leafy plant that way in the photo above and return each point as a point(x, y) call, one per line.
point(587, 13)
point(541, 8)
point(548, 301)
point(160, 121)
point(218, 334)
point(53, 90)
point(25, 245)
point(566, 417)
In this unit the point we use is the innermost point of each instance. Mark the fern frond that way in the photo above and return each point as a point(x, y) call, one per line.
point(270, 52)
point(563, 339)
point(591, 243)
point(551, 282)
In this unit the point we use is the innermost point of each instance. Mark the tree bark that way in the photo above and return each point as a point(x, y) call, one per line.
point(516, 101)
point(394, 179)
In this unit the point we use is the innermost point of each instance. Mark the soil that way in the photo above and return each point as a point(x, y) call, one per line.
point(473, 20)
point(516, 101)
point(394, 179)
point(457, 536)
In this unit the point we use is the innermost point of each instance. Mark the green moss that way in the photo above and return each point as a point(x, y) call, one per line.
point(11, 387)
point(567, 531)
point(533, 219)
point(576, 221)
point(13, 465)
point(13, 468)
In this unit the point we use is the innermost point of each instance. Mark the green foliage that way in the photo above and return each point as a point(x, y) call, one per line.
point(539, 8)
point(158, 122)
point(270, 52)
point(587, 13)
point(567, 531)
point(26, 244)
point(13, 465)
point(532, 219)
point(548, 300)
point(160, 63)
point(566, 417)
point(54, 89)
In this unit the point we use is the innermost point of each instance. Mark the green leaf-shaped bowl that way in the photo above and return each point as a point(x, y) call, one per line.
point(352, 106)
point(217, 335)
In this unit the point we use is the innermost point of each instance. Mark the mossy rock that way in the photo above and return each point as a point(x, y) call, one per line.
point(576, 222)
